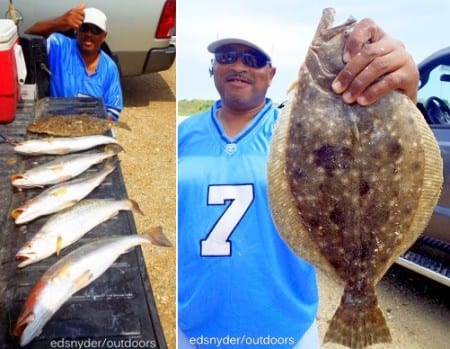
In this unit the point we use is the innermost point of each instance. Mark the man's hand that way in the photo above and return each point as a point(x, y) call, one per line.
point(73, 18)
point(376, 64)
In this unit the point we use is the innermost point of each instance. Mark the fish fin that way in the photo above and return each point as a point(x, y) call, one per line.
point(293, 86)
point(110, 164)
point(58, 244)
point(83, 279)
point(59, 192)
point(62, 151)
point(135, 207)
point(358, 324)
point(157, 237)
point(122, 124)
point(56, 168)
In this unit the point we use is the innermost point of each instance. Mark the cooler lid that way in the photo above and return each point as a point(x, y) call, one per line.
point(7, 30)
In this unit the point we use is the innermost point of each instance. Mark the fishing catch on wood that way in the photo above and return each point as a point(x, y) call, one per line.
point(351, 187)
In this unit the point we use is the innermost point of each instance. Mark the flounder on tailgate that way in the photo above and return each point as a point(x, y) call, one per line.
point(73, 125)
point(350, 187)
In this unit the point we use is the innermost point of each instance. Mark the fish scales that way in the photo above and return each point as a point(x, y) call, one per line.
point(62, 168)
point(61, 196)
point(350, 187)
point(64, 228)
point(73, 125)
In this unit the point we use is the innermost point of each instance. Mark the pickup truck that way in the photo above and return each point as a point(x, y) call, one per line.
point(430, 255)
point(140, 32)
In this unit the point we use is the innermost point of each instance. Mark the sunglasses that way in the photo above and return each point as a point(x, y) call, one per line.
point(251, 58)
point(93, 29)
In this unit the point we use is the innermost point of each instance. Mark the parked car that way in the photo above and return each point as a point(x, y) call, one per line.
point(430, 255)
point(140, 32)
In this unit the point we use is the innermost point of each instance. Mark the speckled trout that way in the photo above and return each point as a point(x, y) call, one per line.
point(70, 274)
point(351, 187)
point(61, 145)
point(68, 226)
point(61, 196)
point(62, 168)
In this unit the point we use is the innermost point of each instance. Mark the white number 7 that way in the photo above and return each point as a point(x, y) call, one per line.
point(241, 196)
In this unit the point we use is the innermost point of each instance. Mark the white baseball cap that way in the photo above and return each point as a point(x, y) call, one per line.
point(212, 47)
point(96, 17)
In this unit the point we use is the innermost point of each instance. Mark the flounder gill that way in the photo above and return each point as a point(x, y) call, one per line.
point(350, 187)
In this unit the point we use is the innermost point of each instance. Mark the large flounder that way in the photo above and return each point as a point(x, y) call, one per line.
point(350, 187)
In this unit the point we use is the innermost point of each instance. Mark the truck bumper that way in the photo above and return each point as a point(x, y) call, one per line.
point(159, 59)
point(138, 63)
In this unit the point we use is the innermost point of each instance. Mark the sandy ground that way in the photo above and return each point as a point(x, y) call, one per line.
point(148, 165)
point(417, 309)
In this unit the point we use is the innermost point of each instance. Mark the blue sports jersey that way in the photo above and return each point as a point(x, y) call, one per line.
point(238, 281)
point(70, 77)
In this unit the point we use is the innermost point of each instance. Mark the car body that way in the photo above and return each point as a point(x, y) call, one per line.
point(430, 255)
point(140, 32)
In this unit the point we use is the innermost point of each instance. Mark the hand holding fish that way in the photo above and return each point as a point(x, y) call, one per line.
point(352, 187)
point(376, 64)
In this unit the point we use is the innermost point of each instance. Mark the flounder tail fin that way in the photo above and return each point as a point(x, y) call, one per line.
point(361, 327)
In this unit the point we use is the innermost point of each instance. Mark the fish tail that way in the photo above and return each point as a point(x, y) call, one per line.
point(123, 125)
point(157, 237)
point(113, 148)
point(135, 207)
point(110, 165)
point(358, 323)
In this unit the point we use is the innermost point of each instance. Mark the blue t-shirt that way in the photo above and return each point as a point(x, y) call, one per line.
point(238, 281)
point(70, 77)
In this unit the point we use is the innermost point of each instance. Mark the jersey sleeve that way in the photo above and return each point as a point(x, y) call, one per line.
point(112, 96)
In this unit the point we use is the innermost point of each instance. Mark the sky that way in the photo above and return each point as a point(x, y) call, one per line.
point(287, 28)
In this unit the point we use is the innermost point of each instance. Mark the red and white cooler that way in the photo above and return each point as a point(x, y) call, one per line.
point(10, 53)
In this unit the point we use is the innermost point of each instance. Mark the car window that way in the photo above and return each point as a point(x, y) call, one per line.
point(434, 95)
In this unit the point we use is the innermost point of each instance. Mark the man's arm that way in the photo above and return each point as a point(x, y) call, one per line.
point(72, 19)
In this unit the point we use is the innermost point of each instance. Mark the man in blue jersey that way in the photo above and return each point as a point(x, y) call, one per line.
point(239, 285)
point(79, 68)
